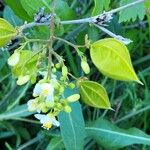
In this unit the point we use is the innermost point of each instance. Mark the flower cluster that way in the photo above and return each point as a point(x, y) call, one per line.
point(49, 101)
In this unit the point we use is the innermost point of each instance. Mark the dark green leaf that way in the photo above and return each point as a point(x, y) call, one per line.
point(112, 137)
point(72, 128)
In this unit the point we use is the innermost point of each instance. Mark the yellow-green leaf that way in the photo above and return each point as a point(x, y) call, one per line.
point(94, 94)
point(112, 58)
point(7, 32)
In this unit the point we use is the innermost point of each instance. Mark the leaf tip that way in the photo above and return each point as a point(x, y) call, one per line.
point(138, 81)
point(111, 109)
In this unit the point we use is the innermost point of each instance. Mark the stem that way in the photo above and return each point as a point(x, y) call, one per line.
point(85, 20)
point(58, 57)
point(50, 46)
point(30, 142)
point(27, 120)
point(118, 37)
point(72, 76)
point(133, 114)
point(67, 42)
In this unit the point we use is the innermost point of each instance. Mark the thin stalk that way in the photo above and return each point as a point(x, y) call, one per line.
point(50, 46)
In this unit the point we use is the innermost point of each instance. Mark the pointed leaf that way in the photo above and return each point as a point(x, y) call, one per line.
point(94, 94)
point(112, 58)
point(7, 32)
point(72, 128)
point(112, 137)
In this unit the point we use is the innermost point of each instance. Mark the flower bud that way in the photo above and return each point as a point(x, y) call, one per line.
point(67, 109)
point(73, 98)
point(85, 67)
point(61, 90)
point(14, 59)
point(23, 79)
point(71, 85)
point(64, 71)
point(59, 106)
point(50, 104)
point(58, 65)
point(54, 70)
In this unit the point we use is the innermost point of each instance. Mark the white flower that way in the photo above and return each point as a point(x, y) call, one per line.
point(31, 105)
point(47, 121)
point(37, 90)
point(44, 89)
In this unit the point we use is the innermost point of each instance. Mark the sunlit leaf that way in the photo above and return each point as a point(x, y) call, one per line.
point(112, 58)
point(7, 32)
point(26, 65)
point(94, 94)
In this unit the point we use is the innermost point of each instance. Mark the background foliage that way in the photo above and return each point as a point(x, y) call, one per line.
point(85, 127)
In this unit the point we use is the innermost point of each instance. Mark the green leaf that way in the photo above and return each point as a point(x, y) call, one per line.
point(33, 6)
point(9, 15)
point(112, 137)
point(112, 58)
point(56, 144)
point(19, 111)
point(131, 13)
point(7, 32)
point(147, 6)
point(100, 5)
point(18, 9)
point(72, 128)
point(26, 65)
point(94, 94)
point(62, 9)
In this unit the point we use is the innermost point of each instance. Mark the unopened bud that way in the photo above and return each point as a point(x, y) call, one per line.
point(64, 71)
point(23, 79)
point(85, 67)
point(73, 98)
point(58, 65)
point(54, 70)
point(49, 104)
point(72, 85)
point(14, 59)
point(67, 109)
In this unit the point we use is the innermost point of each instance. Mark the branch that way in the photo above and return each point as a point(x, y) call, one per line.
point(85, 20)
point(118, 37)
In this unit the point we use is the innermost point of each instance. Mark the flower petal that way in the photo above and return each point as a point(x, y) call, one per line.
point(50, 97)
point(55, 122)
point(37, 90)
point(31, 105)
